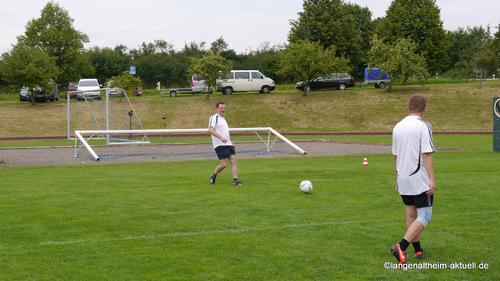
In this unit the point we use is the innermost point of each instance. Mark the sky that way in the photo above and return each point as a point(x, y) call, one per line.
point(244, 25)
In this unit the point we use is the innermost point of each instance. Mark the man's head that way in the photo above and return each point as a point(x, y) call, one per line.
point(221, 108)
point(417, 103)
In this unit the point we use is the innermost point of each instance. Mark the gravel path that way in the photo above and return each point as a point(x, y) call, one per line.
point(42, 156)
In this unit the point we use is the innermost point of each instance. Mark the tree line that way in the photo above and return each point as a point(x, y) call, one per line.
point(409, 40)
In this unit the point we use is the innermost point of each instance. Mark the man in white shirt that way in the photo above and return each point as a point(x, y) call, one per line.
point(412, 147)
point(218, 128)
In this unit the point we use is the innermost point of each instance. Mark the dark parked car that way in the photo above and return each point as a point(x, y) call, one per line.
point(40, 93)
point(339, 81)
point(72, 86)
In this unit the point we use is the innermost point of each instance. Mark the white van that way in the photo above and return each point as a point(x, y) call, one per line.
point(244, 81)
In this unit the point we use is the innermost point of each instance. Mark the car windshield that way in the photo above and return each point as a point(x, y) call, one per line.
point(197, 78)
point(89, 83)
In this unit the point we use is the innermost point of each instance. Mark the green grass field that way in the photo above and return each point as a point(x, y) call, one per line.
point(163, 221)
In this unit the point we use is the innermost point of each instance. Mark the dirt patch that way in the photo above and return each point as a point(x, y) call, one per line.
point(43, 156)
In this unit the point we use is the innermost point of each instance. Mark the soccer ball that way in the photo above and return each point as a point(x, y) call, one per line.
point(306, 186)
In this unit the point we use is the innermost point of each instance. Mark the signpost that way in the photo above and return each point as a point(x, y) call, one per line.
point(132, 68)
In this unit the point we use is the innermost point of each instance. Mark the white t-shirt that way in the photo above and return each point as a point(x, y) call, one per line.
point(410, 138)
point(220, 126)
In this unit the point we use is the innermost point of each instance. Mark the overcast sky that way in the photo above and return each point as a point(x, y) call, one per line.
point(244, 25)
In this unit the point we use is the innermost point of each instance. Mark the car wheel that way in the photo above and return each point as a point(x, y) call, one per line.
point(173, 94)
point(342, 87)
point(265, 90)
point(228, 91)
point(381, 85)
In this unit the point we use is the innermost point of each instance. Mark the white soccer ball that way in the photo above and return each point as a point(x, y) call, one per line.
point(306, 186)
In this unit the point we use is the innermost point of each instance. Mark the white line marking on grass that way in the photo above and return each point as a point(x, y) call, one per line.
point(198, 233)
point(223, 231)
point(471, 213)
point(87, 191)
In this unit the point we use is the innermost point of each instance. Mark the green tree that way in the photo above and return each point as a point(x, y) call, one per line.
point(495, 43)
point(465, 43)
point(29, 67)
point(126, 81)
point(486, 60)
point(263, 59)
point(489, 56)
point(107, 62)
point(158, 62)
point(330, 23)
point(212, 67)
point(193, 49)
point(307, 60)
point(166, 69)
point(420, 21)
point(219, 45)
point(364, 25)
point(54, 33)
point(399, 59)
point(158, 47)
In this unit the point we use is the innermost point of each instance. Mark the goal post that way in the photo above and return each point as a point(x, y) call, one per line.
point(104, 109)
point(267, 136)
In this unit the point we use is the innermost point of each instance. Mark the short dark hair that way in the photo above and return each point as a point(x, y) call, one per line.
point(417, 103)
point(219, 103)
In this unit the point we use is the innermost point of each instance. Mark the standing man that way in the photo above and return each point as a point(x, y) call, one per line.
point(412, 147)
point(217, 126)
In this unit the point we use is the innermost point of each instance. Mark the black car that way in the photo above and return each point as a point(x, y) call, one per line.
point(40, 93)
point(339, 81)
point(72, 86)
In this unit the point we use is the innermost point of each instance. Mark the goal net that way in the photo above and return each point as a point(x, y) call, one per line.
point(106, 109)
point(182, 144)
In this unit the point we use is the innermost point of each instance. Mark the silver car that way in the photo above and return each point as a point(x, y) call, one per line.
point(24, 94)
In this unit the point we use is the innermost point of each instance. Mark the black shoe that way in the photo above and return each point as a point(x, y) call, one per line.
point(212, 179)
point(237, 182)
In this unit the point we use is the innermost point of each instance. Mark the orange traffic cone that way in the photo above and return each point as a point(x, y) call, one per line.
point(365, 162)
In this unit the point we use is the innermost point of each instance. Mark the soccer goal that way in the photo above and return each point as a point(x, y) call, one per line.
point(106, 109)
point(183, 144)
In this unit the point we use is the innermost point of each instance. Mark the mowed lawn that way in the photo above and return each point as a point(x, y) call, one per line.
point(163, 221)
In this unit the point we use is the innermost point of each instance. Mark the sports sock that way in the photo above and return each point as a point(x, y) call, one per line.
point(404, 244)
point(214, 175)
point(235, 180)
point(417, 247)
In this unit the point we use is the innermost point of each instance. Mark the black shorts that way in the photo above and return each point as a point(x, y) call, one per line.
point(420, 201)
point(224, 151)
